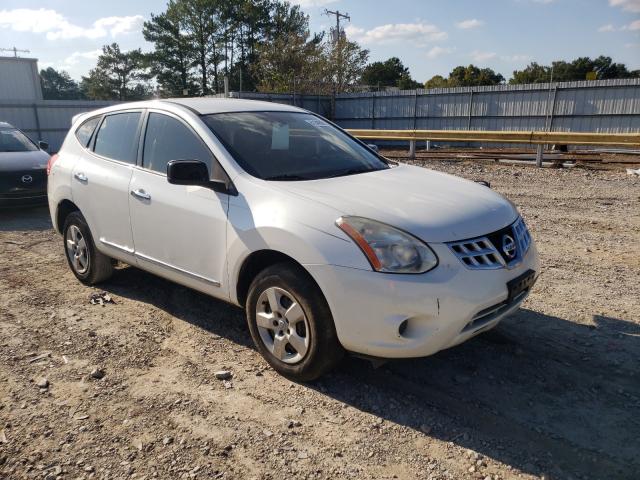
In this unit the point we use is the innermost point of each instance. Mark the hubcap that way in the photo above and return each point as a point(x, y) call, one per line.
point(283, 325)
point(77, 250)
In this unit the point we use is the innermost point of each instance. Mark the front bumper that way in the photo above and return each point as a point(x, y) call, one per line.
point(400, 316)
point(23, 199)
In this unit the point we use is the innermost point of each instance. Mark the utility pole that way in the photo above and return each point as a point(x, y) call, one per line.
point(14, 50)
point(338, 17)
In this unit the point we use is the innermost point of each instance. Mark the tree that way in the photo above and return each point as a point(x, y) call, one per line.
point(603, 68)
point(289, 59)
point(384, 74)
point(291, 62)
point(437, 81)
point(345, 63)
point(58, 85)
point(390, 73)
point(173, 57)
point(408, 83)
point(533, 73)
point(470, 76)
point(118, 76)
point(201, 26)
point(473, 76)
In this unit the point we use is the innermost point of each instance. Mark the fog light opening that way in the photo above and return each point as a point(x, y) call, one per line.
point(403, 327)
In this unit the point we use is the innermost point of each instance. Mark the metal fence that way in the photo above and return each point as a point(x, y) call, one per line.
point(47, 120)
point(606, 106)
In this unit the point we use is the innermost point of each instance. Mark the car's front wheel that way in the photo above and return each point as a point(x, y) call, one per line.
point(88, 264)
point(291, 324)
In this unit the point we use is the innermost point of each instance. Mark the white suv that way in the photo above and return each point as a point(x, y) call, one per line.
point(328, 246)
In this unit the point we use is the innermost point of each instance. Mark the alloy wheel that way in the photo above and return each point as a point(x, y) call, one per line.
point(77, 250)
point(283, 325)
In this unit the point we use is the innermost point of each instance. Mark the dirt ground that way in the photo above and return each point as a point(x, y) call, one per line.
point(552, 392)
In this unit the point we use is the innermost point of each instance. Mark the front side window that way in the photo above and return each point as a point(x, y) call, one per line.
point(13, 140)
point(290, 146)
point(84, 131)
point(117, 137)
point(169, 139)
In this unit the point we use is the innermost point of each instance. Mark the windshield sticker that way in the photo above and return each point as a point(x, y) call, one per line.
point(316, 122)
point(280, 136)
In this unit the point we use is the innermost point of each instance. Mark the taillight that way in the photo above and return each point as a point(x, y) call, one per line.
point(52, 160)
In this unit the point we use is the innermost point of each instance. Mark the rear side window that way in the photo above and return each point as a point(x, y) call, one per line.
point(168, 139)
point(84, 131)
point(117, 137)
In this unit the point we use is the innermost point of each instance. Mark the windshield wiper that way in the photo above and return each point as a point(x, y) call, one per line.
point(286, 176)
point(351, 171)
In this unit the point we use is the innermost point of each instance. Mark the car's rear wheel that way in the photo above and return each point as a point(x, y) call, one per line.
point(291, 324)
point(86, 262)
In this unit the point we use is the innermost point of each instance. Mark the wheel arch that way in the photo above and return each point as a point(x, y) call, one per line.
point(255, 263)
point(65, 207)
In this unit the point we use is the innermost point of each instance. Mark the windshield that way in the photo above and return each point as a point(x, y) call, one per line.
point(15, 141)
point(290, 146)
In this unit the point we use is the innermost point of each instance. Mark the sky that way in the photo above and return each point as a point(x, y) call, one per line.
point(429, 36)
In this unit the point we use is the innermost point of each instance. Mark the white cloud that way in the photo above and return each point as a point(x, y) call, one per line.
point(607, 28)
point(633, 26)
point(56, 26)
point(628, 5)
point(544, 1)
point(632, 45)
point(516, 58)
point(77, 57)
point(471, 23)
point(482, 56)
point(436, 51)
point(313, 3)
point(419, 34)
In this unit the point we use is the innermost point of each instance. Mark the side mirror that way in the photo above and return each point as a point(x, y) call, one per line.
point(43, 145)
point(373, 147)
point(195, 172)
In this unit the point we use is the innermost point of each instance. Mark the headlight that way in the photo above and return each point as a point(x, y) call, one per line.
point(388, 249)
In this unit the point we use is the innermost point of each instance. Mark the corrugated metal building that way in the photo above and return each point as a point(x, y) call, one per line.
point(47, 120)
point(19, 79)
point(21, 103)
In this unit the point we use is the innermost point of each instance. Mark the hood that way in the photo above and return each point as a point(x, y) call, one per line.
point(433, 206)
point(21, 161)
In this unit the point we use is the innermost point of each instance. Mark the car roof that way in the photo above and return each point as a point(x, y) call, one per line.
point(6, 125)
point(198, 106)
point(206, 106)
point(203, 106)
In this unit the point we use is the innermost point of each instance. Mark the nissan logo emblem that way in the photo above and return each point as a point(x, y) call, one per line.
point(509, 246)
point(27, 179)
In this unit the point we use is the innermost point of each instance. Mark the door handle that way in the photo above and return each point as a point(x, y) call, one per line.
point(139, 193)
point(80, 176)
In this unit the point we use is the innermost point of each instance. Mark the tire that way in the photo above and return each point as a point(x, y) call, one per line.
point(85, 261)
point(285, 284)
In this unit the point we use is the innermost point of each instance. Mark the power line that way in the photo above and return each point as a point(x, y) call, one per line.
point(14, 50)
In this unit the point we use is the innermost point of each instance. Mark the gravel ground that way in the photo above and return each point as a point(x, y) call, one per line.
point(129, 389)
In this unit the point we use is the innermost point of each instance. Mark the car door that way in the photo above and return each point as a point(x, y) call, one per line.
point(179, 231)
point(100, 182)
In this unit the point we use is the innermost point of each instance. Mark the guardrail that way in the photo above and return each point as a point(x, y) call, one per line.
point(486, 136)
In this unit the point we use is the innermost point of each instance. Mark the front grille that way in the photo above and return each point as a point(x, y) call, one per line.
point(24, 181)
point(488, 315)
point(504, 248)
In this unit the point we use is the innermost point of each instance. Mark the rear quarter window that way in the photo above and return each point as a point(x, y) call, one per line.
point(84, 131)
point(117, 137)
